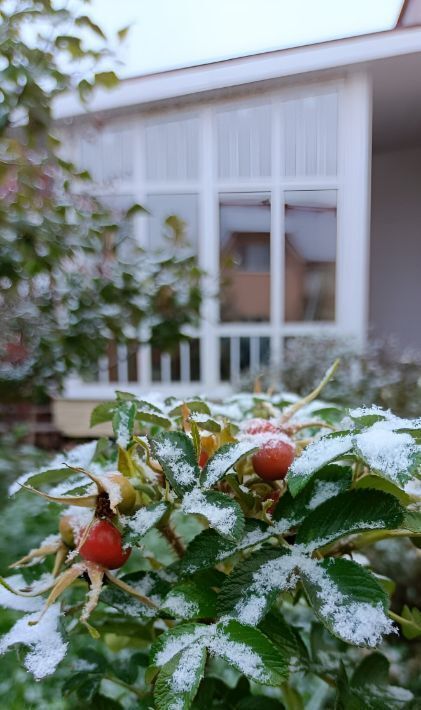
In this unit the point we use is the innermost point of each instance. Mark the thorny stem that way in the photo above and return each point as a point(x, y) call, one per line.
point(173, 539)
point(348, 546)
point(309, 398)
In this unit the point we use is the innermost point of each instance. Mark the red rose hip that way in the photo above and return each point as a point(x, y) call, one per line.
point(103, 546)
point(272, 461)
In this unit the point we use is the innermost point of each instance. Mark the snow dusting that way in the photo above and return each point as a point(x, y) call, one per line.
point(47, 648)
point(174, 644)
point(8, 600)
point(184, 473)
point(221, 462)
point(323, 490)
point(223, 519)
point(178, 605)
point(320, 453)
point(359, 623)
point(239, 654)
point(386, 451)
point(144, 519)
point(184, 676)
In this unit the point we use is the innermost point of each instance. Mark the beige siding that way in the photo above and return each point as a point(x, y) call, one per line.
point(71, 417)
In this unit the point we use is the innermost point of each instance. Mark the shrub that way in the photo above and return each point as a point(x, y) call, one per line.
point(235, 591)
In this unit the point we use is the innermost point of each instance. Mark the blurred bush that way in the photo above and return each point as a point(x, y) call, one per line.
point(382, 373)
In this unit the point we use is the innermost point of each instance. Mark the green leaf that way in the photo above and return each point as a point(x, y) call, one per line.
point(50, 476)
point(85, 21)
point(350, 512)
point(137, 525)
point(103, 412)
point(329, 482)
point(175, 452)
point(412, 627)
point(108, 79)
point(122, 34)
point(370, 685)
point(194, 405)
point(329, 448)
point(135, 209)
point(204, 421)
point(223, 459)
point(286, 638)
point(123, 423)
point(389, 453)
point(127, 669)
point(170, 643)
point(190, 600)
point(205, 550)
point(379, 483)
point(208, 548)
point(179, 679)
point(249, 651)
point(239, 594)
point(152, 417)
point(347, 599)
point(412, 521)
point(221, 512)
point(195, 435)
point(85, 685)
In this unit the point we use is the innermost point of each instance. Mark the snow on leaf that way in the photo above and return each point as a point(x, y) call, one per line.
point(223, 459)
point(46, 645)
point(314, 457)
point(388, 452)
point(250, 652)
point(346, 597)
point(179, 679)
point(143, 520)
point(175, 452)
point(349, 512)
point(123, 422)
point(222, 512)
point(175, 640)
point(8, 600)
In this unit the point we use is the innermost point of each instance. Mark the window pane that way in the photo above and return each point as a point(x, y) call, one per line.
point(172, 149)
point(164, 206)
point(245, 257)
point(310, 135)
point(244, 142)
point(124, 241)
point(310, 255)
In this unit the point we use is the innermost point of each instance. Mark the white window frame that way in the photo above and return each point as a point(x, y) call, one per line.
point(352, 184)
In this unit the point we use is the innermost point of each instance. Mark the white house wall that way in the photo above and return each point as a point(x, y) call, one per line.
point(309, 138)
point(395, 280)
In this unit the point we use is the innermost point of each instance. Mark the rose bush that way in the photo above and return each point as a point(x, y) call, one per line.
point(236, 590)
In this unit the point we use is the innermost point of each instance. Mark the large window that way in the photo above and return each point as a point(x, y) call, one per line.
point(245, 257)
point(182, 207)
point(310, 255)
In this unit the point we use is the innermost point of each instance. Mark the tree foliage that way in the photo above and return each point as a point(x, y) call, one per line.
point(68, 285)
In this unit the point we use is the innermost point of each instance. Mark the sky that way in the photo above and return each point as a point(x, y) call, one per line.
point(171, 33)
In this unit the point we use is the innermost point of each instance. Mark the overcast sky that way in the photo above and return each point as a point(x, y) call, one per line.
point(172, 33)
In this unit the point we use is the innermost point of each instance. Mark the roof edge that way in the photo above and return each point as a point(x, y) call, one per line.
point(240, 71)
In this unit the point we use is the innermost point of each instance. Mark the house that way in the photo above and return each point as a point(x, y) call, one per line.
point(298, 175)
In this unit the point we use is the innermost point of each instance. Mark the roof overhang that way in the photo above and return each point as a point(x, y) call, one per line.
point(242, 71)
